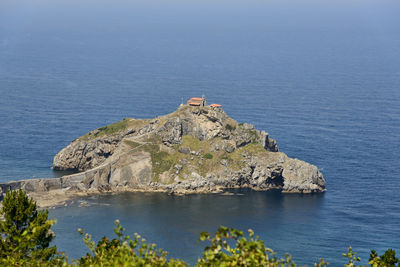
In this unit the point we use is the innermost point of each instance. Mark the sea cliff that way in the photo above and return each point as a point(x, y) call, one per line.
point(192, 150)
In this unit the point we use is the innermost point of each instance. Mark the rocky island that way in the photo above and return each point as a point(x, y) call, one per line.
point(196, 149)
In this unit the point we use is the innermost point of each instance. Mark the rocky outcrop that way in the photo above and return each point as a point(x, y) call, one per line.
point(94, 148)
point(83, 155)
point(193, 150)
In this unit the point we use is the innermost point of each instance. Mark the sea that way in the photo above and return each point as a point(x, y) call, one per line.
point(321, 77)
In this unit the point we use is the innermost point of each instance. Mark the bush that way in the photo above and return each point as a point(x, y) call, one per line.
point(230, 127)
point(124, 251)
point(25, 232)
point(388, 259)
point(243, 251)
point(208, 156)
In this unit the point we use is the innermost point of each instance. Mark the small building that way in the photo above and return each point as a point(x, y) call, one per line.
point(201, 102)
point(215, 105)
point(197, 101)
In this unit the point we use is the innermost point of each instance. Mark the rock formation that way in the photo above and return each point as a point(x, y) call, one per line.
point(194, 149)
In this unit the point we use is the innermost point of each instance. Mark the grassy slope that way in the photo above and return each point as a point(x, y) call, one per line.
point(206, 162)
point(114, 128)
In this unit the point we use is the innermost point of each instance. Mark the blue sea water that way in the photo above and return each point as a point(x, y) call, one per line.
point(323, 78)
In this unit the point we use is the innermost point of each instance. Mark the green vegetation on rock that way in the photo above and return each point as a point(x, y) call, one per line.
point(161, 160)
point(165, 160)
point(254, 135)
point(235, 158)
point(113, 128)
point(230, 127)
point(208, 156)
point(195, 144)
point(109, 129)
point(132, 144)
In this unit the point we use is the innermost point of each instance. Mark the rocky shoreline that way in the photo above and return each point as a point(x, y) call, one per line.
point(193, 150)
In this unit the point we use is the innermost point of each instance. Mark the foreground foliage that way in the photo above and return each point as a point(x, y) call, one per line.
point(25, 238)
point(124, 251)
point(25, 232)
point(243, 251)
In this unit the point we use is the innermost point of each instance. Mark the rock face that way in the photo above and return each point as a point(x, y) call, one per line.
point(80, 156)
point(194, 149)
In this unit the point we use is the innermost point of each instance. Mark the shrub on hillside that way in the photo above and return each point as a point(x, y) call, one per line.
point(208, 156)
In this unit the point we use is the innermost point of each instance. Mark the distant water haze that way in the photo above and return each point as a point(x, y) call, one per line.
point(322, 77)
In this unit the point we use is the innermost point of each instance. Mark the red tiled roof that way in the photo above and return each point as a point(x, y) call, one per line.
point(194, 103)
point(215, 105)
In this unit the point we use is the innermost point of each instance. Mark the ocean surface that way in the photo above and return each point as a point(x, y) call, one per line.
point(322, 77)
